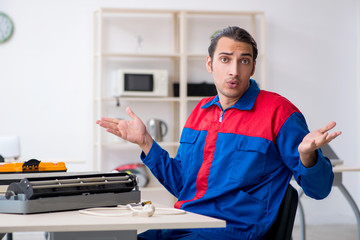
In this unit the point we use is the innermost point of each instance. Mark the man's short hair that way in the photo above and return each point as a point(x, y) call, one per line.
point(235, 33)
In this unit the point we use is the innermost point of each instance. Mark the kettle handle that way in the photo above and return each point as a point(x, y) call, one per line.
point(162, 123)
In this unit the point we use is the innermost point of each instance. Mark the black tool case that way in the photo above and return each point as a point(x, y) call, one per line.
point(59, 193)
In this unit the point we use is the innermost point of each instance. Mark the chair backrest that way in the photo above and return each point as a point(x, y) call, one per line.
point(284, 223)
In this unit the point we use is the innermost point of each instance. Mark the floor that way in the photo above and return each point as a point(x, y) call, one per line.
point(328, 232)
point(318, 232)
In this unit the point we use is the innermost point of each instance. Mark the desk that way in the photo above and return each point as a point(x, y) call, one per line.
point(338, 171)
point(72, 222)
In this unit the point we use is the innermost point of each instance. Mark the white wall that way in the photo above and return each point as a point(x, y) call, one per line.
point(46, 74)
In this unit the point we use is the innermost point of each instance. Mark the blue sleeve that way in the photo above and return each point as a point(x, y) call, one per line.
point(316, 181)
point(167, 170)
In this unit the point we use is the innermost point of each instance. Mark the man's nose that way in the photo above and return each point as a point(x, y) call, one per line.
point(234, 68)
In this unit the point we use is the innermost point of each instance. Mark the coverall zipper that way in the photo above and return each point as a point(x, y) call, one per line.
point(221, 115)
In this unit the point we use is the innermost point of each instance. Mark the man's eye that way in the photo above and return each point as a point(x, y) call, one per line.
point(224, 59)
point(245, 61)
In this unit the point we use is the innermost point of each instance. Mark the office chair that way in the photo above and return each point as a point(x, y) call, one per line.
point(284, 222)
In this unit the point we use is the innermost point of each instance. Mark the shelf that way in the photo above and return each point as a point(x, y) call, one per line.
point(138, 55)
point(168, 11)
point(128, 145)
point(132, 11)
point(149, 99)
point(227, 13)
point(197, 55)
point(194, 99)
point(125, 39)
point(141, 99)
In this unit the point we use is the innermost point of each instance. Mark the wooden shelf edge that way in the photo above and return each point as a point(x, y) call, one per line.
point(128, 145)
point(142, 99)
point(138, 55)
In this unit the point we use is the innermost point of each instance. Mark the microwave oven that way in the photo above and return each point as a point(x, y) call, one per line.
point(141, 82)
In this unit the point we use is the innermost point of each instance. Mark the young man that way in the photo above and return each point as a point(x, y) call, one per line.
point(238, 150)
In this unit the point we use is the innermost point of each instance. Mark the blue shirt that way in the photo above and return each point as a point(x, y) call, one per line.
point(235, 164)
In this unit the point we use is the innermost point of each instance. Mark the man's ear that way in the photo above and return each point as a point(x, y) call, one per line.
point(253, 70)
point(209, 64)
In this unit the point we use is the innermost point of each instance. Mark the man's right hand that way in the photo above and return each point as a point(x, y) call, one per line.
point(133, 131)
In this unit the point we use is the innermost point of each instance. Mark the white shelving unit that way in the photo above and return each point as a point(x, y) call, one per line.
point(175, 40)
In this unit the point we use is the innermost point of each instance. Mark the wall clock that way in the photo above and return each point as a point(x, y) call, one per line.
point(6, 27)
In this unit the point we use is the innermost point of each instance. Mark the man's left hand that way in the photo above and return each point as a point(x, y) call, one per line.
point(314, 140)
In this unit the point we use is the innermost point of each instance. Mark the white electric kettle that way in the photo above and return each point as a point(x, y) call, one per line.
point(157, 129)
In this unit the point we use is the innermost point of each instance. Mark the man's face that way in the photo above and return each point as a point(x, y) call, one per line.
point(232, 66)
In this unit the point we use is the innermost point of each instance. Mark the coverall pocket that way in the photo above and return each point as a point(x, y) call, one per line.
point(187, 144)
point(249, 161)
point(243, 207)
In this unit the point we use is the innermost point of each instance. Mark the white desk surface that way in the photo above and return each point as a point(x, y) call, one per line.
point(338, 171)
point(70, 221)
point(344, 168)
